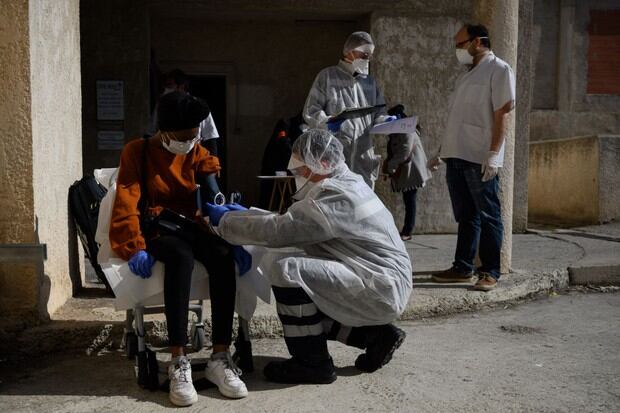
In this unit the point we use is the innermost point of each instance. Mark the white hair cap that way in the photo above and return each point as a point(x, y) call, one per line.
point(357, 40)
point(319, 150)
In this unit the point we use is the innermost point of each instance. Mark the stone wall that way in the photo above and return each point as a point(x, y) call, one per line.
point(115, 46)
point(525, 82)
point(270, 71)
point(18, 283)
point(419, 70)
point(56, 138)
point(575, 181)
point(609, 178)
point(269, 74)
point(40, 151)
point(573, 112)
point(16, 195)
point(563, 178)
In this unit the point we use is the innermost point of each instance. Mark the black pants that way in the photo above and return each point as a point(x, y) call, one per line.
point(306, 329)
point(178, 257)
point(409, 198)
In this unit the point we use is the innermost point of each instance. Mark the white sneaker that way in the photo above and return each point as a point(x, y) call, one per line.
point(182, 391)
point(222, 371)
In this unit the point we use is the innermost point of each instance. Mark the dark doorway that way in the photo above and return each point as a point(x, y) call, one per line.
point(212, 88)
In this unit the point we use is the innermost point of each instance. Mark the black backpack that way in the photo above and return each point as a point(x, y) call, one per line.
point(85, 197)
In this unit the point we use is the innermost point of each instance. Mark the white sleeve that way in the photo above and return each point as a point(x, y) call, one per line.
point(304, 223)
point(503, 88)
point(314, 108)
point(208, 130)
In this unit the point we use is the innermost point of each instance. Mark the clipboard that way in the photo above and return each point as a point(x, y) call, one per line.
point(355, 113)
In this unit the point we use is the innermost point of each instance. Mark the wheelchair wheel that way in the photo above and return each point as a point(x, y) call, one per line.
point(131, 345)
point(198, 337)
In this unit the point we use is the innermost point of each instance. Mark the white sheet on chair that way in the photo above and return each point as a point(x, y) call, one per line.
point(131, 290)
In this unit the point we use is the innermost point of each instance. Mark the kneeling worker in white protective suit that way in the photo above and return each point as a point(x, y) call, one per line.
point(353, 276)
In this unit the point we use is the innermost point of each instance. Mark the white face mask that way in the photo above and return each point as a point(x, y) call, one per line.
point(360, 66)
point(464, 57)
point(179, 148)
point(302, 183)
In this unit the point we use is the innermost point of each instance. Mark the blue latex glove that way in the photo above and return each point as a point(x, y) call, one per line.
point(235, 207)
point(141, 263)
point(214, 212)
point(390, 118)
point(334, 126)
point(243, 259)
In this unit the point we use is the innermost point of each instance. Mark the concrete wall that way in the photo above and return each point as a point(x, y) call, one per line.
point(56, 137)
point(575, 181)
point(525, 80)
point(40, 151)
point(18, 283)
point(115, 46)
point(419, 70)
point(269, 73)
point(574, 112)
point(544, 47)
point(609, 178)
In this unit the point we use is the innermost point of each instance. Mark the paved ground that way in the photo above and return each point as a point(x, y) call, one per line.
point(533, 254)
point(540, 262)
point(559, 354)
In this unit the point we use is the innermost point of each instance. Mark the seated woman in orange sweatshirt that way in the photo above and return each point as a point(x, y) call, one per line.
point(170, 164)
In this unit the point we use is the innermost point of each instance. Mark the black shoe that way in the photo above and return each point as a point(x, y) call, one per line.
point(295, 370)
point(382, 342)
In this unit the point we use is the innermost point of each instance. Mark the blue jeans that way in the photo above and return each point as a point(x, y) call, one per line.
point(477, 210)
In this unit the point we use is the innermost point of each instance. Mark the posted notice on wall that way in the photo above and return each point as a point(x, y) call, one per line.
point(110, 104)
point(110, 140)
point(404, 125)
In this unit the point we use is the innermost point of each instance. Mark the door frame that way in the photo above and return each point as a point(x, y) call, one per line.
point(209, 68)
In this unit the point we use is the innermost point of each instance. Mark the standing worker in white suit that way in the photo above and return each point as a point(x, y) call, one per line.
point(352, 275)
point(348, 85)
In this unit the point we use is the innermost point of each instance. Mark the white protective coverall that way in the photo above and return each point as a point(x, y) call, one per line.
point(336, 89)
point(355, 267)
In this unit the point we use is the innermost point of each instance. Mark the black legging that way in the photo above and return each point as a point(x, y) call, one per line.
point(410, 207)
point(178, 257)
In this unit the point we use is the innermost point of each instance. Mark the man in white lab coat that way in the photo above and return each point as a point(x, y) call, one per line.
point(473, 149)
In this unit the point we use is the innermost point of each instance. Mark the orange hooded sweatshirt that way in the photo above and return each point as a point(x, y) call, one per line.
point(171, 183)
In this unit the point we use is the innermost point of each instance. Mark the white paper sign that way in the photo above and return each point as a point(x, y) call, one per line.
point(405, 125)
point(110, 104)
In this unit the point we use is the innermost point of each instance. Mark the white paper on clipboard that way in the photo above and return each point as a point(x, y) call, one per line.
point(404, 125)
